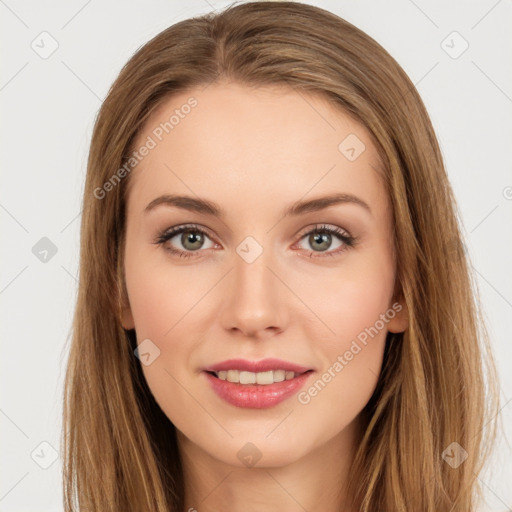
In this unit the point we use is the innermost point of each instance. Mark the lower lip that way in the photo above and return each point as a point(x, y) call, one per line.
point(255, 396)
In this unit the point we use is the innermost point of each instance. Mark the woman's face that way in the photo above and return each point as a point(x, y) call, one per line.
point(252, 282)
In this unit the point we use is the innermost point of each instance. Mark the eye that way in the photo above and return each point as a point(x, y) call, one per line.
point(193, 237)
point(321, 238)
point(191, 240)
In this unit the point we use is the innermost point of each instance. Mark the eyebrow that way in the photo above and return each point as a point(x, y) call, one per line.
point(206, 207)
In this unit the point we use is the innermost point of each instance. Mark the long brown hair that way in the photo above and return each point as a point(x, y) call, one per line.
point(434, 399)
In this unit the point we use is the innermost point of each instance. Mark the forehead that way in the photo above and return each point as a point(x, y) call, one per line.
point(251, 146)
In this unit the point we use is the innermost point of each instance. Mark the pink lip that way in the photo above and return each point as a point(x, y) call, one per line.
point(256, 396)
point(257, 366)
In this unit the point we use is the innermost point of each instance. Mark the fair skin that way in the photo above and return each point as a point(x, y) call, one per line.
point(255, 152)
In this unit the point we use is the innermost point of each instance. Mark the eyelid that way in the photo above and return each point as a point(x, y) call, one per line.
point(174, 230)
point(169, 233)
point(347, 240)
point(322, 226)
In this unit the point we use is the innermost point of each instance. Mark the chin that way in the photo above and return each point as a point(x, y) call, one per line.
point(260, 452)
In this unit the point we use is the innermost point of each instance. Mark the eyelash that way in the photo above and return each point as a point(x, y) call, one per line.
point(348, 240)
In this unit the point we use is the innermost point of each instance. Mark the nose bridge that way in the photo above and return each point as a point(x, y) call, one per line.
point(252, 277)
point(254, 301)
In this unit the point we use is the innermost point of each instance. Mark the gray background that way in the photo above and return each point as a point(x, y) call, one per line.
point(48, 104)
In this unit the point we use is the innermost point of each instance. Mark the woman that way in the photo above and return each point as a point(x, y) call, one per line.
point(275, 310)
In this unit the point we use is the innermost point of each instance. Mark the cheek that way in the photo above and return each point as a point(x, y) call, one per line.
point(159, 297)
point(353, 299)
point(356, 307)
point(162, 303)
point(358, 346)
point(351, 361)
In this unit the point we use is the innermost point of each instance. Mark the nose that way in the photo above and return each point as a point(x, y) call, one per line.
point(255, 299)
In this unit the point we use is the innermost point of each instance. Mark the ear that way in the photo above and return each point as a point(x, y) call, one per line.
point(399, 316)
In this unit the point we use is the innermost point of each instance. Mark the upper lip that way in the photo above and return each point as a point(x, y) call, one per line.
point(257, 366)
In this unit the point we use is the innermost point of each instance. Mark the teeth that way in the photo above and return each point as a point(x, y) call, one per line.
point(233, 376)
point(263, 378)
point(279, 375)
point(247, 377)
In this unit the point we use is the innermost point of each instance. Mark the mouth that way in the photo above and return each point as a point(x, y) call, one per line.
point(250, 390)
